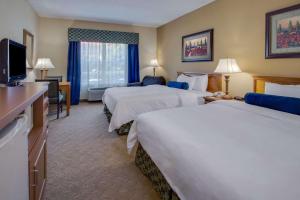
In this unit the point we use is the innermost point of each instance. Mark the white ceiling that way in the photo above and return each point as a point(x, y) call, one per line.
point(152, 13)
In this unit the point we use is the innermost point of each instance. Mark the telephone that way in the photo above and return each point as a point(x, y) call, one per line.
point(218, 94)
point(239, 98)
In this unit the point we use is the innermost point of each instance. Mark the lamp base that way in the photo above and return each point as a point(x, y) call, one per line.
point(227, 77)
point(44, 73)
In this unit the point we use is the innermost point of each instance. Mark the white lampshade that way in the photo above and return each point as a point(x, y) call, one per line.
point(227, 66)
point(44, 63)
point(154, 63)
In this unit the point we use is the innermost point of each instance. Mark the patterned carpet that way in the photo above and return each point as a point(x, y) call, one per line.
point(85, 162)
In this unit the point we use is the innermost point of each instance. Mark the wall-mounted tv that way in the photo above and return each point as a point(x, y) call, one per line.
point(12, 61)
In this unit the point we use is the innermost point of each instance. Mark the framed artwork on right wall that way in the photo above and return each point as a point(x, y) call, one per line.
point(283, 33)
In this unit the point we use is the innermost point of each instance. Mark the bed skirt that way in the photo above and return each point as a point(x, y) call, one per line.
point(150, 170)
point(124, 129)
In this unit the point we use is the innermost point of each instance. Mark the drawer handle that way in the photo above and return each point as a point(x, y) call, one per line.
point(35, 172)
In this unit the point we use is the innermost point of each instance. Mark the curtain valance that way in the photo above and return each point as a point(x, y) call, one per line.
point(91, 35)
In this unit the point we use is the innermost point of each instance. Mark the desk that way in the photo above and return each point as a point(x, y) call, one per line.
point(66, 87)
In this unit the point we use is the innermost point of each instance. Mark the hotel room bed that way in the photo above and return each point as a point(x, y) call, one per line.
point(225, 150)
point(124, 104)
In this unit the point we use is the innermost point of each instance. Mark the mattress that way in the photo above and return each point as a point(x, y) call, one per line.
point(126, 103)
point(225, 150)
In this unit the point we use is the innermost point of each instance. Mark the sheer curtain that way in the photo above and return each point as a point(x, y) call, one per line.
point(103, 65)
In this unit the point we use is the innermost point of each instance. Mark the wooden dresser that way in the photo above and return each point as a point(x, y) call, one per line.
point(37, 148)
point(32, 97)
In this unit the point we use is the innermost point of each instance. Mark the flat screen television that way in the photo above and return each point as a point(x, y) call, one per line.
point(12, 61)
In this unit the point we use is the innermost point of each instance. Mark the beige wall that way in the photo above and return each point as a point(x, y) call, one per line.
point(239, 33)
point(53, 41)
point(16, 15)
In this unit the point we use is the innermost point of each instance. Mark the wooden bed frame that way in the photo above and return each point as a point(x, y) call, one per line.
point(259, 82)
point(214, 80)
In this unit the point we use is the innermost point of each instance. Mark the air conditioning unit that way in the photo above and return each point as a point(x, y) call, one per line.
point(95, 94)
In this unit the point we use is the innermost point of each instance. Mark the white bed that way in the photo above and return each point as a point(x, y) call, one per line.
point(225, 150)
point(126, 103)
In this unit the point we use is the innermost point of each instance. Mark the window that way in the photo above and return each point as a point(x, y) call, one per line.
point(102, 65)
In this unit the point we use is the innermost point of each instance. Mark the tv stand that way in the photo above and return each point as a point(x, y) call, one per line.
point(32, 98)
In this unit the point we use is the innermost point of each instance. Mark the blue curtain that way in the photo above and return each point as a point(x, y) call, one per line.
point(133, 63)
point(74, 71)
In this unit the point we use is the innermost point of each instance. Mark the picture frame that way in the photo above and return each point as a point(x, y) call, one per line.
point(283, 33)
point(198, 47)
point(28, 41)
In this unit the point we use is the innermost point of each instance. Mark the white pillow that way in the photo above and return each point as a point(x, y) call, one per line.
point(282, 90)
point(201, 83)
point(187, 79)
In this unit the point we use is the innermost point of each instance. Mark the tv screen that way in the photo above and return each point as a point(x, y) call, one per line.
point(17, 61)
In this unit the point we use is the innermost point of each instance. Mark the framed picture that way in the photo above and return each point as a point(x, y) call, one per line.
point(28, 41)
point(198, 47)
point(283, 33)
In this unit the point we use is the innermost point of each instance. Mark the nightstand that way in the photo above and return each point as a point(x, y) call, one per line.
point(213, 98)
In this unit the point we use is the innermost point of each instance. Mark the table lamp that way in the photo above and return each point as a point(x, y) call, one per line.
point(154, 64)
point(44, 64)
point(227, 66)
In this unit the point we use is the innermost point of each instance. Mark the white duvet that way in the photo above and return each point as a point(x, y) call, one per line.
point(126, 103)
point(226, 150)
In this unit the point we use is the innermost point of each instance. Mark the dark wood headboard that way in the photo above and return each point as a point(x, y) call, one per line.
point(214, 80)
